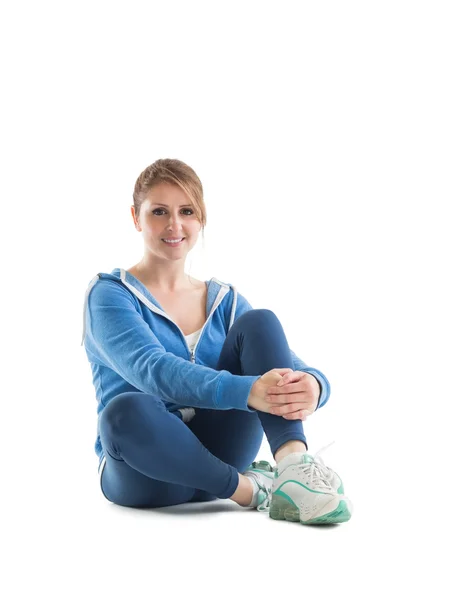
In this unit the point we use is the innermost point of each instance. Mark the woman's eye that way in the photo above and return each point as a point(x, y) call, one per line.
point(162, 210)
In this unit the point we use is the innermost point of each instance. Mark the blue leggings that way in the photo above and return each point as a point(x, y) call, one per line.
point(155, 459)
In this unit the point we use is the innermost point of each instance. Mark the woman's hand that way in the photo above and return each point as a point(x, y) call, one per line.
point(259, 390)
point(295, 396)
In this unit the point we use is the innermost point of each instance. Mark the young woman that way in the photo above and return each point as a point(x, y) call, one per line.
point(188, 377)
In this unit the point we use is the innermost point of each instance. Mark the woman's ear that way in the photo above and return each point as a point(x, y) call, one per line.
point(137, 226)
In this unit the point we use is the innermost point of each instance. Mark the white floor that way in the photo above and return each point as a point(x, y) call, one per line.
point(67, 541)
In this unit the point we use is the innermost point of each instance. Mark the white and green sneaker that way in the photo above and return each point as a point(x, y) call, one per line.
point(261, 474)
point(305, 490)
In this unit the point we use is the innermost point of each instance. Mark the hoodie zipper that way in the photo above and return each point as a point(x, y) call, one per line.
point(164, 314)
point(193, 352)
point(214, 307)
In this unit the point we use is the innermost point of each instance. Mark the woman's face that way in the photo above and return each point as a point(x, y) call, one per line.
point(167, 214)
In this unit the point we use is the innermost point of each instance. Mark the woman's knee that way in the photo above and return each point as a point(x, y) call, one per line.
point(261, 320)
point(124, 411)
point(258, 316)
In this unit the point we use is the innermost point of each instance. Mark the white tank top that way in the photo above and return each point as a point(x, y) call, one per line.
point(192, 338)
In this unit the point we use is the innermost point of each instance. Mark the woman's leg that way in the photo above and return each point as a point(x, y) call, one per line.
point(234, 436)
point(153, 459)
point(255, 344)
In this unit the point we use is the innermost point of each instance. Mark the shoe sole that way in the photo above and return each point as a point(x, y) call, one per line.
point(282, 510)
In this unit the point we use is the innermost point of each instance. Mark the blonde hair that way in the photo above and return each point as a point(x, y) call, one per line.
point(172, 170)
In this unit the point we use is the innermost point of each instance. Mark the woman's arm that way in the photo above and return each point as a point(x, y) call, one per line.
point(118, 336)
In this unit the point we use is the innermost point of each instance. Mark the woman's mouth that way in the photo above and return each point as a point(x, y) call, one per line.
point(174, 243)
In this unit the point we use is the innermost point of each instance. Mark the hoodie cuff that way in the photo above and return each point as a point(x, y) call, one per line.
point(233, 391)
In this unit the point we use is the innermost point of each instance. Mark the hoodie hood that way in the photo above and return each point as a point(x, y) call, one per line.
point(216, 291)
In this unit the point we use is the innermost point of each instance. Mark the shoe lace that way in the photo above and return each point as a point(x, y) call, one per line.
point(265, 504)
point(327, 472)
point(319, 476)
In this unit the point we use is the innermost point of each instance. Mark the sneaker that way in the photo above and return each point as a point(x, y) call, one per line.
point(261, 474)
point(306, 491)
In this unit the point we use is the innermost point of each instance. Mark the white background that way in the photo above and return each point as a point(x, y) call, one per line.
point(325, 135)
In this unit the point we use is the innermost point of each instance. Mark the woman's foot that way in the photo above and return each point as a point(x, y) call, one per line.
point(306, 491)
point(260, 474)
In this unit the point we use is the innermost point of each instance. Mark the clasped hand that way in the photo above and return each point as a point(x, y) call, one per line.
point(295, 396)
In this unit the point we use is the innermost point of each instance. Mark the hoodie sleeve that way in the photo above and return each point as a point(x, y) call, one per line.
point(298, 365)
point(125, 343)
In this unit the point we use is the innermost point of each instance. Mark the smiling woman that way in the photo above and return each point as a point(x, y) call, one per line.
point(169, 211)
point(186, 373)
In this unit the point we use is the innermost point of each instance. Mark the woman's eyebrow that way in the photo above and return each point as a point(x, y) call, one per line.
point(166, 205)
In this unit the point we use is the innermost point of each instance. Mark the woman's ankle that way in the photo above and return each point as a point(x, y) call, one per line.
point(288, 448)
point(243, 495)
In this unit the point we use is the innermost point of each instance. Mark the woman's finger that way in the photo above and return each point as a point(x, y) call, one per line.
point(283, 409)
point(292, 392)
point(300, 414)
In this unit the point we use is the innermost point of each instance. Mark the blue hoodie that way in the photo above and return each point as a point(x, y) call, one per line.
point(133, 345)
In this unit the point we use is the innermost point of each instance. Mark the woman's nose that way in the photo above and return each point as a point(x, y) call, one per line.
point(175, 220)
